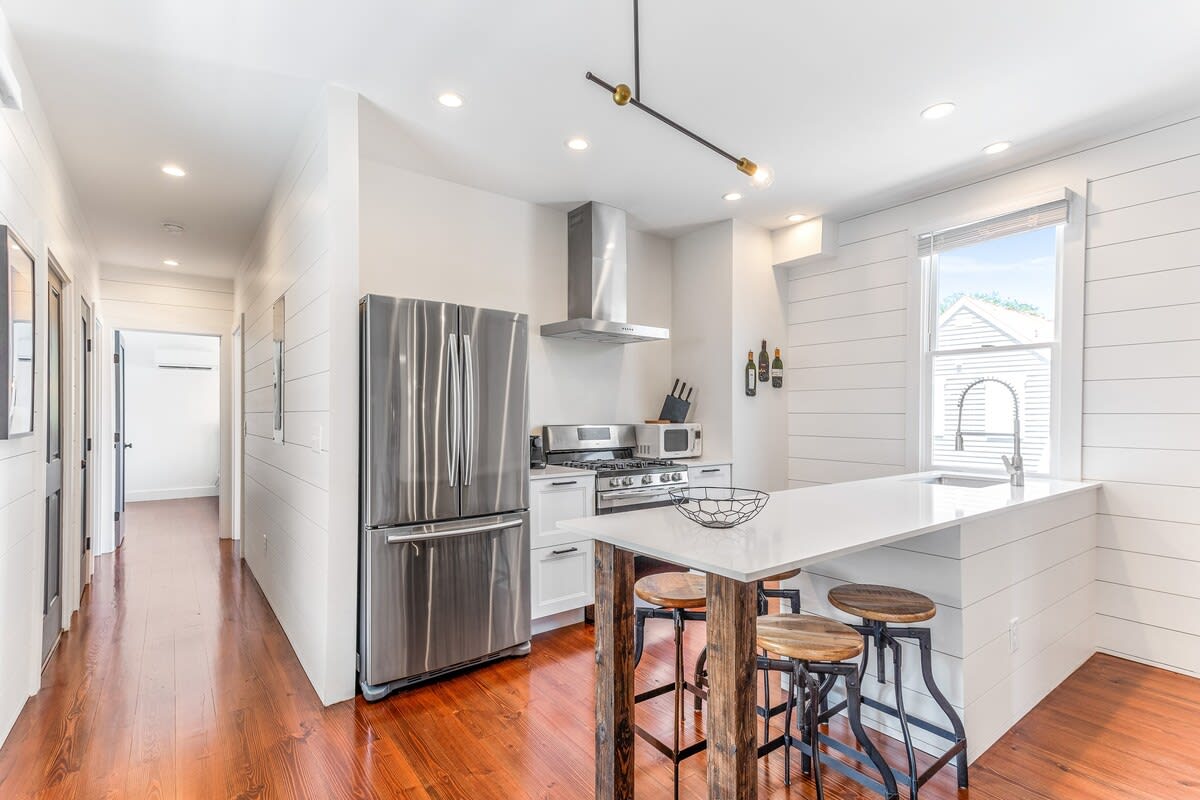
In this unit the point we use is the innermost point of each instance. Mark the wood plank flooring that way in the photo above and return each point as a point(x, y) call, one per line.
point(176, 681)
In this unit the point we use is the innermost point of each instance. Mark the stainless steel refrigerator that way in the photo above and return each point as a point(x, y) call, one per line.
point(444, 549)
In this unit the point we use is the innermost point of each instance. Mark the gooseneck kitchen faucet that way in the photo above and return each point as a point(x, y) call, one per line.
point(1015, 466)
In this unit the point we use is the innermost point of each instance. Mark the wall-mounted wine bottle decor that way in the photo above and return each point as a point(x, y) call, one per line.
point(764, 364)
point(777, 371)
point(751, 375)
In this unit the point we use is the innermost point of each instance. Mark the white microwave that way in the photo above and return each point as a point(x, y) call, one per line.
point(669, 440)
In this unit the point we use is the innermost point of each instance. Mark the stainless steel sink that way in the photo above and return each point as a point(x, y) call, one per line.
point(966, 481)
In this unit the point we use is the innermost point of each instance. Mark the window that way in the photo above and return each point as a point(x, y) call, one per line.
point(991, 328)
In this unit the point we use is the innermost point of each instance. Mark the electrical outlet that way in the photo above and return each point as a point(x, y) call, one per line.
point(1012, 634)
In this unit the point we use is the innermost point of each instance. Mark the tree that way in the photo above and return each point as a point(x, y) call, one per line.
point(995, 299)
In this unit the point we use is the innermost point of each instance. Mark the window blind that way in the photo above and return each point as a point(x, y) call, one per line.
point(1041, 216)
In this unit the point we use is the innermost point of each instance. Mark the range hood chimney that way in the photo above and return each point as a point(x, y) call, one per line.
point(597, 286)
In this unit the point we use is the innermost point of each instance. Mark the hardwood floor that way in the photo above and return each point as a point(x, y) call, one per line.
point(177, 681)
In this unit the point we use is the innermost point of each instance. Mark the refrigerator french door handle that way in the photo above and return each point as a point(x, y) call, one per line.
point(469, 448)
point(501, 525)
point(454, 416)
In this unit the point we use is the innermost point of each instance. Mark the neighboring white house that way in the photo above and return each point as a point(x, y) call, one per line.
point(987, 413)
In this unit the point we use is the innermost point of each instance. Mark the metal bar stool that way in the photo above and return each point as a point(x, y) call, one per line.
point(674, 593)
point(818, 652)
point(878, 606)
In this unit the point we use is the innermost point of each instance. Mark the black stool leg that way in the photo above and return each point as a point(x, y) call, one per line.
point(853, 709)
point(787, 732)
point(811, 717)
point(701, 678)
point(922, 635)
point(677, 616)
point(903, 717)
point(639, 633)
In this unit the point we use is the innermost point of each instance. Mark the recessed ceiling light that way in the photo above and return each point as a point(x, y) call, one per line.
point(170, 262)
point(796, 218)
point(172, 228)
point(997, 147)
point(731, 196)
point(174, 170)
point(450, 99)
point(938, 110)
point(578, 143)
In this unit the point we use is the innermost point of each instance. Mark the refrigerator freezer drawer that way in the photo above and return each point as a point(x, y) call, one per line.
point(436, 596)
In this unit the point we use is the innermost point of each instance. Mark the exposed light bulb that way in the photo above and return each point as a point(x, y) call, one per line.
point(763, 177)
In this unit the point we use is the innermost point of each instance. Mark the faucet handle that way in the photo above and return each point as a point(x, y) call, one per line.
point(1008, 465)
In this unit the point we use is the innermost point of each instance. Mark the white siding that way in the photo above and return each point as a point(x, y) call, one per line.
point(1141, 424)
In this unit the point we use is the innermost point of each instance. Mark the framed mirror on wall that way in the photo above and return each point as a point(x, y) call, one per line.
point(16, 337)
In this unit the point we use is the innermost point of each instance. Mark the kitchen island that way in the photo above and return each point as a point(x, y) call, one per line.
point(1010, 568)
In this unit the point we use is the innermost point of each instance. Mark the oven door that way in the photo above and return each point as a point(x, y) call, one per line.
point(634, 499)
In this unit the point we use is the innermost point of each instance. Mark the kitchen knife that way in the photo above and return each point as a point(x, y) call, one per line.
point(688, 399)
point(676, 386)
point(681, 388)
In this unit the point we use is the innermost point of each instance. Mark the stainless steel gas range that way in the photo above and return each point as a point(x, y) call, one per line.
point(623, 482)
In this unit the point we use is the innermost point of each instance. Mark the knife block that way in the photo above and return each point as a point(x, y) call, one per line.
point(675, 409)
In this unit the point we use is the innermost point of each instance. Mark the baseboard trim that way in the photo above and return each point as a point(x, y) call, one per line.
point(171, 494)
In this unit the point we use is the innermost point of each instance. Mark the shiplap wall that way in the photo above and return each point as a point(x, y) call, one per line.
point(847, 348)
point(1140, 339)
point(286, 489)
point(38, 203)
point(1141, 424)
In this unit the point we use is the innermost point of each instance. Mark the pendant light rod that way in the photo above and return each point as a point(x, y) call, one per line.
point(622, 95)
point(633, 101)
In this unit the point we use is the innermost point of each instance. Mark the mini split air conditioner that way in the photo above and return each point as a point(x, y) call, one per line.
point(166, 358)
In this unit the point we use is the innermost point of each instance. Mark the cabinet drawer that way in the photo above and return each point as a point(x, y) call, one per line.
point(561, 578)
point(718, 475)
point(553, 500)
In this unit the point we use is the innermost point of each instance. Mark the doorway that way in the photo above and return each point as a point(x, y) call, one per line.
point(167, 402)
point(52, 581)
point(84, 406)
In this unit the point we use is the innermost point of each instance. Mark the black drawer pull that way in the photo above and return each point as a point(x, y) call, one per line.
point(563, 483)
point(710, 469)
point(564, 552)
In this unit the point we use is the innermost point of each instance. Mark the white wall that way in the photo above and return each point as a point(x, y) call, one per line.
point(168, 302)
point(300, 536)
point(728, 298)
point(37, 202)
point(854, 360)
point(429, 238)
point(173, 418)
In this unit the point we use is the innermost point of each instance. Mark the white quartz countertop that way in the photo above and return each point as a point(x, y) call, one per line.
point(799, 527)
point(555, 471)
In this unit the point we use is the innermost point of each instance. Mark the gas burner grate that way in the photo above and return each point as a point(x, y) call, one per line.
point(611, 465)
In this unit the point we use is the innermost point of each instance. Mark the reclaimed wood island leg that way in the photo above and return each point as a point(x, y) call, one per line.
point(732, 743)
point(614, 673)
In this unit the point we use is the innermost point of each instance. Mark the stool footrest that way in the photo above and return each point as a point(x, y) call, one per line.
point(841, 766)
point(914, 721)
point(664, 748)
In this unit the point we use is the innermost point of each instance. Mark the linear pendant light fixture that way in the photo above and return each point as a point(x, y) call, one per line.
point(760, 174)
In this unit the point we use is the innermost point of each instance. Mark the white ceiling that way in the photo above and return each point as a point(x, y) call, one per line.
point(828, 94)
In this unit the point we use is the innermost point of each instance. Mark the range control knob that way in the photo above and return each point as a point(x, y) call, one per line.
point(627, 481)
point(663, 477)
point(676, 476)
point(647, 479)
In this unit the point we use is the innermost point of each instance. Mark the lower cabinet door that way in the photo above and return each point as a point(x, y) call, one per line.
point(561, 578)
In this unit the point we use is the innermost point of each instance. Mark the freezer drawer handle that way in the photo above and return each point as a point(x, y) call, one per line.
point(711, 469)
point(563, 483)
point(398, 538)
point(564, 551)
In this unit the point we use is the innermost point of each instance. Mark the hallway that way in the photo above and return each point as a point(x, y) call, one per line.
point(177, 681)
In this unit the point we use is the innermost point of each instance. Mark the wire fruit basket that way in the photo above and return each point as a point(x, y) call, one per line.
point(719, 507)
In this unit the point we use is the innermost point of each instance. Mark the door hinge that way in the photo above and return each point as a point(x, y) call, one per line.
point(87, 543)
point(116, 438)
point(116, 516)
point(89, 345)
point(89, 443)
point(116, 359)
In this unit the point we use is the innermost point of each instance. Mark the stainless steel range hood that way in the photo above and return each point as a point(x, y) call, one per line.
point(596, 281)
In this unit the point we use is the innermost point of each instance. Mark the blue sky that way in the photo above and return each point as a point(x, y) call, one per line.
point(1021, 266)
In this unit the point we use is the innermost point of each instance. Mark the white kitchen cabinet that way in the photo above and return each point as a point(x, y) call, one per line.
point(561, 570)
point(710, 475)
point(561, 578)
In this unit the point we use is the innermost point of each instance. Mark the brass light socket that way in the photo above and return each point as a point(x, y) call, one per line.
point(621, 94)
point(747, 166)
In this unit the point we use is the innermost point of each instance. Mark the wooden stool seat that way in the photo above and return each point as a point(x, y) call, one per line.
point(804, 637)
point(672, 589)
point(882, 603)
point(783, 576)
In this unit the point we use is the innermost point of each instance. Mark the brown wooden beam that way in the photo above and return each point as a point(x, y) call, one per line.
point(614, 673)
point(732, 747)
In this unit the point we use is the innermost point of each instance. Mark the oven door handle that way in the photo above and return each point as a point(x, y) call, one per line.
point(643, 492)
